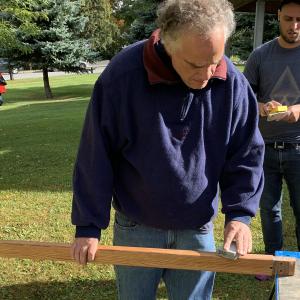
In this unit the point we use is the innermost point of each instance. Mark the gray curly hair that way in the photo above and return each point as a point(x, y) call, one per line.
point(202, 16)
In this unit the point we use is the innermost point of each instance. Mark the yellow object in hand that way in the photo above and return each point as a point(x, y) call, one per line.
point(277, 109)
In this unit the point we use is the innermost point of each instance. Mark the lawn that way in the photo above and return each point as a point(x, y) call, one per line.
point(38, 144)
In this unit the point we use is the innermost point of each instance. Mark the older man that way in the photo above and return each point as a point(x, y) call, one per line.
point(169, 121)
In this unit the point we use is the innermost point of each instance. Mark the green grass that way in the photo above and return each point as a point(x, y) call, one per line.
point(38, 144)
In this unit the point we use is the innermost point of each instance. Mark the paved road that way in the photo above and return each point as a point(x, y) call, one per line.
point(39, 74)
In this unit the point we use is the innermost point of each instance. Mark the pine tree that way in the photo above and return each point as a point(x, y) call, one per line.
point(242, 40)
point(57, 43)
point(16, 17)
point(139, 19)
point(101, 28)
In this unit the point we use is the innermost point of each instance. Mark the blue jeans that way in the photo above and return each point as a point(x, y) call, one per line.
point(137, 283)
point(279, 165)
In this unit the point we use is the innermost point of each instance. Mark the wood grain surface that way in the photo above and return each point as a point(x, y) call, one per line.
point(155, 257)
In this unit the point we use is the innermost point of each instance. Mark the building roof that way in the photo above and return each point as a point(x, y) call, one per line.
point(250, 6)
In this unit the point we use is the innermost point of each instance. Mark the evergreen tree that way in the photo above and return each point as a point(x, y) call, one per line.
point(57, 43)
point(16, 19)
point(271, 29)
point(101, 28)
point(139, 19)
point(242, 40)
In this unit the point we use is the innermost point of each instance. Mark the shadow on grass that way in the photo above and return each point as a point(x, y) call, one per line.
point(240, 287)
point(71, 290)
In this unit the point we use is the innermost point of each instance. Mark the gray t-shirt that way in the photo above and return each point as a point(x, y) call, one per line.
point(275, 71)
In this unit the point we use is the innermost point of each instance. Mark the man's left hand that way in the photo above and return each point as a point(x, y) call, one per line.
point(293, 114)
point(241, 234)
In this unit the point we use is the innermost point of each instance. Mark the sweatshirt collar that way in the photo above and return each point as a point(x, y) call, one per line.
point(160, 72)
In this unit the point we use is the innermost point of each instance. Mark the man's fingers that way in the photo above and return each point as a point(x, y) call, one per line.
point(262, 109)
point(249, 250)
point(270, 105)
point(83, 255)
point(274, 103)
point(244, 244)
point(240, 244)
point(241, 234)
point(75, 251)
point(83, 250)
point(90, 256)
point(91, 252)
point(228, 240)
point(72, 251)
point(292, 117)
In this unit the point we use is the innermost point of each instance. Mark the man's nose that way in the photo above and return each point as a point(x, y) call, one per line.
point(295, 25)
point(205, 74)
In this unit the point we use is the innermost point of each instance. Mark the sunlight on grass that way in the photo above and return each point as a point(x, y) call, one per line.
point(3, 152)
point(27, 103)
point(63, 87)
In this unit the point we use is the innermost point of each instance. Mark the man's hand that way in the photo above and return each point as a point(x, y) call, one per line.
point(83, 249)
point(293, 114)
point(241, 234)
point(265, 108)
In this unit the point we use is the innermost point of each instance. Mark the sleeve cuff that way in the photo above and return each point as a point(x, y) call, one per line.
point(88, 231)
point(240, 217)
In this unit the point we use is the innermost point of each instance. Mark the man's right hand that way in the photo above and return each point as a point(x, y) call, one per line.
point(83, 249)
point(265, 108)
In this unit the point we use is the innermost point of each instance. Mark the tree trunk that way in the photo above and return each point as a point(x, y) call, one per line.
point(47, 88)
point(11, 75)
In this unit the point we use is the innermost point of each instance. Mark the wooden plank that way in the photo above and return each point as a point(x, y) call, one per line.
point(289, 288)
point(156, 258)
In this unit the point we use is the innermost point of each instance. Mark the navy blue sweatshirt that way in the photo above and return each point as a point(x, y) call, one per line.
point(161, 150)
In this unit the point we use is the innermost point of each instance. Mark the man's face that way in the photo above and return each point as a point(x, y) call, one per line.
point(289, 24)
point(195, 59)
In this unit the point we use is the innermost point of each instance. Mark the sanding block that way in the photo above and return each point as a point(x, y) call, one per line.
point(230, 254)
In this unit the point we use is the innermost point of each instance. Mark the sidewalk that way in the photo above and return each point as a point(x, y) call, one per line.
point(99, 67)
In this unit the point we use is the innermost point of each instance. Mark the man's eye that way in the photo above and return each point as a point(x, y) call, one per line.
point(195, 67)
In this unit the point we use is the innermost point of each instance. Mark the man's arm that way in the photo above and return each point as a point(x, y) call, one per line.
point(93, 175)
point(241, 181)
point(238, 215)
